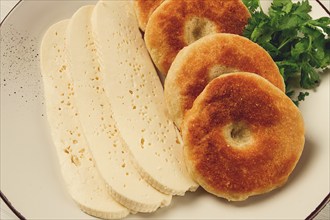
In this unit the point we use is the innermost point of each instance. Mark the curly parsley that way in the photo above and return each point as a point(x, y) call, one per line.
point(299, 45)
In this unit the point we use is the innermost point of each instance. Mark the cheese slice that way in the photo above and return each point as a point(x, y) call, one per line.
point(136, 96)
point(83, 181)
point(111, 156)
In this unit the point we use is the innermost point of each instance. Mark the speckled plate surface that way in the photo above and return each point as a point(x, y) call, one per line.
point(30, 175)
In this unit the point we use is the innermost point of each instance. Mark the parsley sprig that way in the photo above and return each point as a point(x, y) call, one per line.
point(299, 45)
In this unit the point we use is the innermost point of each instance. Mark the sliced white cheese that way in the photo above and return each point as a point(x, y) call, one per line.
point(136, 96)
point(111, 156)
point(83, 181)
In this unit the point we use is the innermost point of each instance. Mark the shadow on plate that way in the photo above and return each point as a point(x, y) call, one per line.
point(178, 202)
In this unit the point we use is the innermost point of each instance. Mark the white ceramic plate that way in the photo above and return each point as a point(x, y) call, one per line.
point(30, 175)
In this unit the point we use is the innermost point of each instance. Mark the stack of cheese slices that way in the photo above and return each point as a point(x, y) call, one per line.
point(112, 123)
point(119, 153)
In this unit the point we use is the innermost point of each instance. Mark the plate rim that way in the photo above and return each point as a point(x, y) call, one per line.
point(18, 214)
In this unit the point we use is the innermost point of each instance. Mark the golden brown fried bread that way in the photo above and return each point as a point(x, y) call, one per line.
point(176, 24)
point(144, 9)
point(242, 137)
point(197, 64)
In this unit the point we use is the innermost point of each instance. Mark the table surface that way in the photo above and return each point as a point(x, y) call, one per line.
point(5, 213)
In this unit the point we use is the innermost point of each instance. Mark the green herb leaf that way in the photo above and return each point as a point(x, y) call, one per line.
point(309, 77)
point(252, 5)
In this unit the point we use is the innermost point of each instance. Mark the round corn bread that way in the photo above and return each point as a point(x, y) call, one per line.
point(144, 9)
point(242, 137)
point(176, 24)
point(197, 64)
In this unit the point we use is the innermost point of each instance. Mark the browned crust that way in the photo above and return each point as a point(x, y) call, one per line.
point(164, 34)
point(144, 9)
point(189, 73)
point(276, 126)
